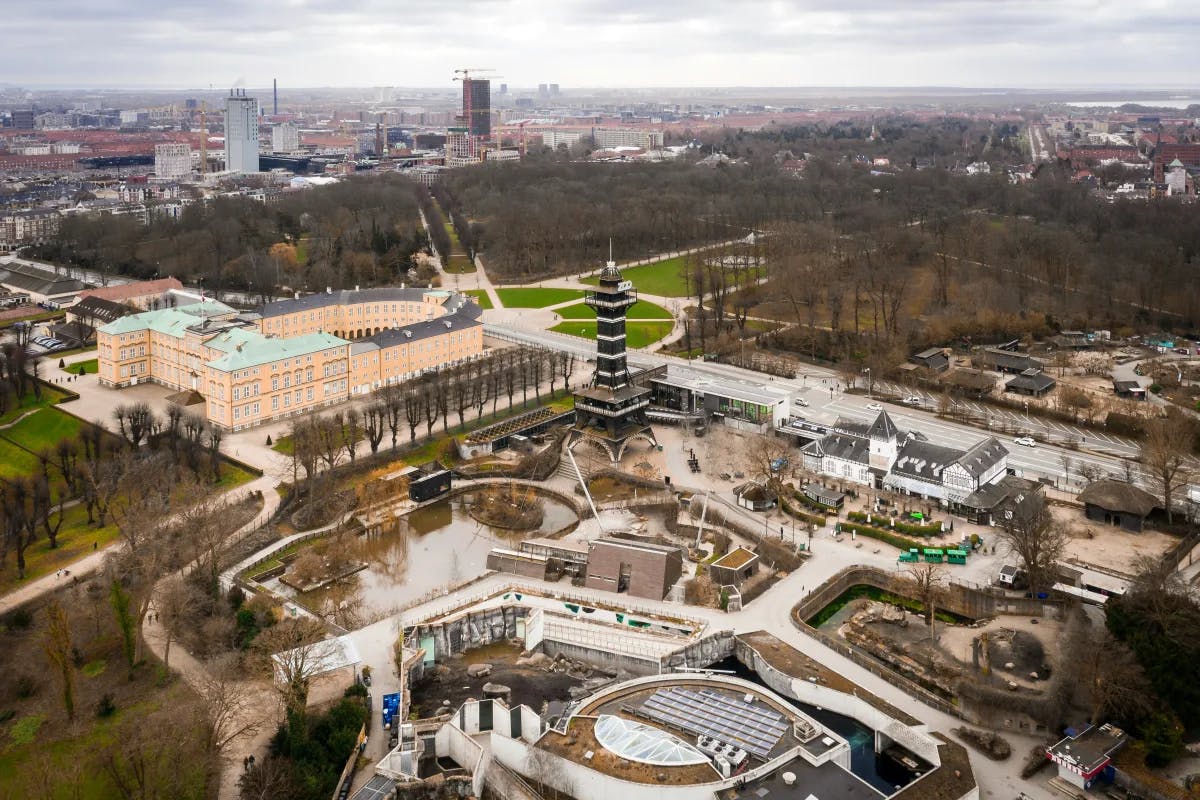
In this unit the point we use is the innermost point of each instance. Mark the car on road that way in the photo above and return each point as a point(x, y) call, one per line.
point(912, 400)
point(800, 401)
point(874, 407)
point(1025, 441)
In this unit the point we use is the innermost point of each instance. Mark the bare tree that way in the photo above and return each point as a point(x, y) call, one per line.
point(58, 649)
point(375, 418)
point(927, 581)
point(229, 705)
point(1028, 529)
point(1114, 683)
point(296, 652)
point(1165, 452)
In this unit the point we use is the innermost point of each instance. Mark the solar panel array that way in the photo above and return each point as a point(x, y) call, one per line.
point(754, 727)
point(378, 788)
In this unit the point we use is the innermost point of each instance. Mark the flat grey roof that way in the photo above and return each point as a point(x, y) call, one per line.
point(759, 393)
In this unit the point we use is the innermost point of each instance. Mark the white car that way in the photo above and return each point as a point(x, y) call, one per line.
point(912, 400)
point(874, 407)
point(1025, 441)
point(800, 401)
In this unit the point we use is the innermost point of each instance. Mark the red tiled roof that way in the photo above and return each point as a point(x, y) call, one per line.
point(128, 291)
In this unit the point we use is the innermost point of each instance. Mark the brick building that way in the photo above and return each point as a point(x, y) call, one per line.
point(641, 569)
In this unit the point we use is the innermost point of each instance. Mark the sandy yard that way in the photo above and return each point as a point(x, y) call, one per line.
point(1107, 546)
point(956, 640)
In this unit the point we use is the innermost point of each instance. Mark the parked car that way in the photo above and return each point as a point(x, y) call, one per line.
point(1025, 441)
point(874, 407)
point(912, 400)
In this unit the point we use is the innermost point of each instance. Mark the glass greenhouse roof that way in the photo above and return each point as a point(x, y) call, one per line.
point(645, 743)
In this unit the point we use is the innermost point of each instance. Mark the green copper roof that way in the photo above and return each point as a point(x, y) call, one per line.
point(169, 321)
point(207, 308)
point(228, 341)
point(262, 350)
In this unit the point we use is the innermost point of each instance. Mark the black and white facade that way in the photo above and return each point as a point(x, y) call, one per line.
point(612, 410)
point(882, 456)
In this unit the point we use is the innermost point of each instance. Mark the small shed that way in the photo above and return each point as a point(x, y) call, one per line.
point(933, 359)
point(969, 381)
point(1032, 383)
point(734, 567)
point(427, 481)
point(1130, 390)
point(755, 497)
point(829, 497)
point(1118, 503)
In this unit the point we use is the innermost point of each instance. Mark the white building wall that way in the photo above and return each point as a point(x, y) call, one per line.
point(241, 134)
point(285, 138)
point(172, 161)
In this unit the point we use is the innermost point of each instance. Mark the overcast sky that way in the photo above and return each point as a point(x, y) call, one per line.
point(981, 43)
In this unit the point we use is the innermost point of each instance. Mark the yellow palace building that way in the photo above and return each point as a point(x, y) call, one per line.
point(290, 356)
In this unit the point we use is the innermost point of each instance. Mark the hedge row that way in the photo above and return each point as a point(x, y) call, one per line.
point(902, 542)
point(903, 527)
point(800, 515)
point(814, 504)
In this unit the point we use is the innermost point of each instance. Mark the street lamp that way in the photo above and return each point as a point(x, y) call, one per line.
point(867, 371)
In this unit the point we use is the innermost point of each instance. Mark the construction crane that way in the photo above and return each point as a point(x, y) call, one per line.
point(203, 138)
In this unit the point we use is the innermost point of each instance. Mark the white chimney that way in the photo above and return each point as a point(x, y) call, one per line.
point(328, 290)
point(297, 295)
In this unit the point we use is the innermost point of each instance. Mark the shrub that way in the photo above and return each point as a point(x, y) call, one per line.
point(19, 619)
point(269, 442)
point(893, 524)
point(355, 690)
point(895, 540)
point(800, 515)
point(26, 686)
point(237, 596)
point(25, 729)
point(105, 707)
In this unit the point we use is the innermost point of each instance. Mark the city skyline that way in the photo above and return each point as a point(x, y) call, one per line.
point(858, 43)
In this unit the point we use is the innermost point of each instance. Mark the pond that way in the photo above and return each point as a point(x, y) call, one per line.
point(429, 549)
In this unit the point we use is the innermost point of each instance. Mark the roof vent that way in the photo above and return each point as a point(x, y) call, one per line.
point(239, 348)
point(328, 290)
point(446, 323)
point(297, 296)
point(356, 287)
point(408, 334)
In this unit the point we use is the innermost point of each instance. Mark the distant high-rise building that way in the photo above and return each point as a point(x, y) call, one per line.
point(554, 90)
point(461, 148)
point(191, 104)
point(172, 161)
point(543, 90)
point(22, 118)
point(241, 132)
point(477, 106)
point(504, 88)
point(285, 138)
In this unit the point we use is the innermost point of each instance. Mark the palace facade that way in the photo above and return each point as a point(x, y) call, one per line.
point(290, 356)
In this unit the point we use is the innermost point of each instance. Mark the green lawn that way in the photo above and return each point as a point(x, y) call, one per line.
point(662, 278)
point(637, 334)
point(75, 540)
point(642, 309)
point(458, 265)
point(232, 475)
point(481, 297)
point(48, 397)
point(536, 297)
point(15, 462)
point(43, 429)
point(91, 366)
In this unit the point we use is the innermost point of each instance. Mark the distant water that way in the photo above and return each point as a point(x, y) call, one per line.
point(1171, 102)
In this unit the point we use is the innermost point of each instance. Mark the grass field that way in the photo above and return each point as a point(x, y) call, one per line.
point(662, 278)
point(639, 310)
point(15, 462)
point(43, 429)
point(49, 397)
point(637, 334)
point(481, 297)
point(75, 540)
point(535, 297)
point(91, 366)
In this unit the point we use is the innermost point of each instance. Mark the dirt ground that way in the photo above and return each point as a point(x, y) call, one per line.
point(957, 640)
point(531, 685)
point(1107, 546)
